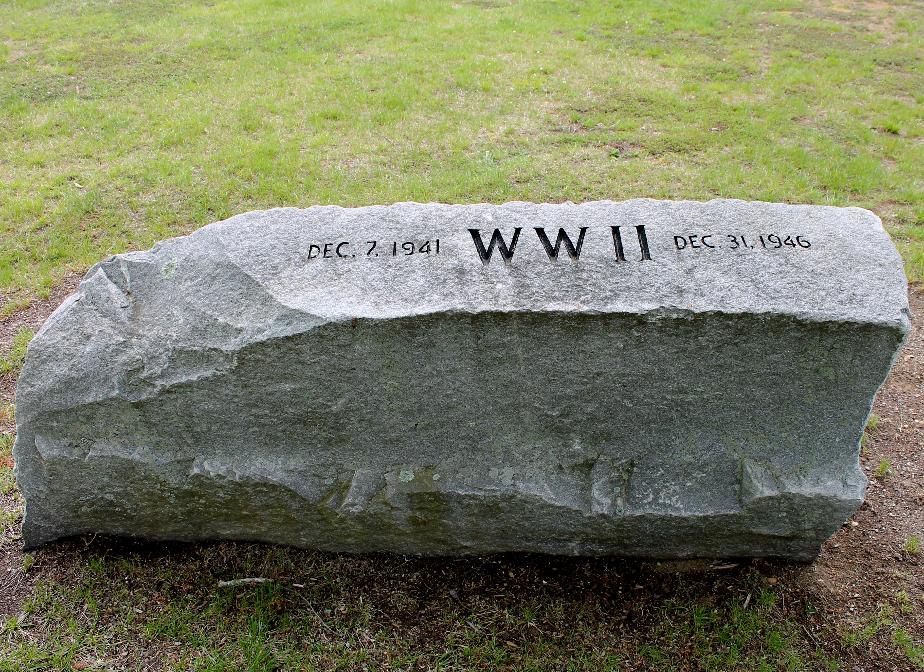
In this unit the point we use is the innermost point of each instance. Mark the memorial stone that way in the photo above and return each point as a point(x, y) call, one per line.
point(645, 378)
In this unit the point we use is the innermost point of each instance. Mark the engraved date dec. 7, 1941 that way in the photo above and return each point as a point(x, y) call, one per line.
point(346, 249)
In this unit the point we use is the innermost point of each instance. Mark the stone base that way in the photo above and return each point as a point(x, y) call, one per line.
point(667, 436)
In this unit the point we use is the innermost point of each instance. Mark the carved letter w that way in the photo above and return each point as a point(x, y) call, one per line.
point(498, 240)
point(573, 252)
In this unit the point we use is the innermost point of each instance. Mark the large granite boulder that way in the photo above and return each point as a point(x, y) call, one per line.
point(647, 378)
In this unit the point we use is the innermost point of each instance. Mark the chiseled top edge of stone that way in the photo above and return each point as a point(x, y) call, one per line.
point(604, 201)
point(901, 321)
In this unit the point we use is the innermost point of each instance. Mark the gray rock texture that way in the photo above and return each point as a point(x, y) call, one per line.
point(686, 379)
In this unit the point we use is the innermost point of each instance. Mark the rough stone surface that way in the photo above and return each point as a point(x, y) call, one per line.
point(260, 379)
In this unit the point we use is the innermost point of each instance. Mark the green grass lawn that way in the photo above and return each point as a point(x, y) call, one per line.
point(122, 123)
point(380, 613)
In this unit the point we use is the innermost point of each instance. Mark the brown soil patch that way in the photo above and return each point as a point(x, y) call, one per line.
point(15, 584)
point(874, 16)
point(866, 563)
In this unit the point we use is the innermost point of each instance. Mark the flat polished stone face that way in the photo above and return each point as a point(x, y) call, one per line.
point(647, 378)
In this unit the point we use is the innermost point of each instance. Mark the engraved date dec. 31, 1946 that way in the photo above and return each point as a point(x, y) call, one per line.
point(740, 242)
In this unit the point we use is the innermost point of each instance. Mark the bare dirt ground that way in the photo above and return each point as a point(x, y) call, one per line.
point(868, 561)
point(861, 596)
